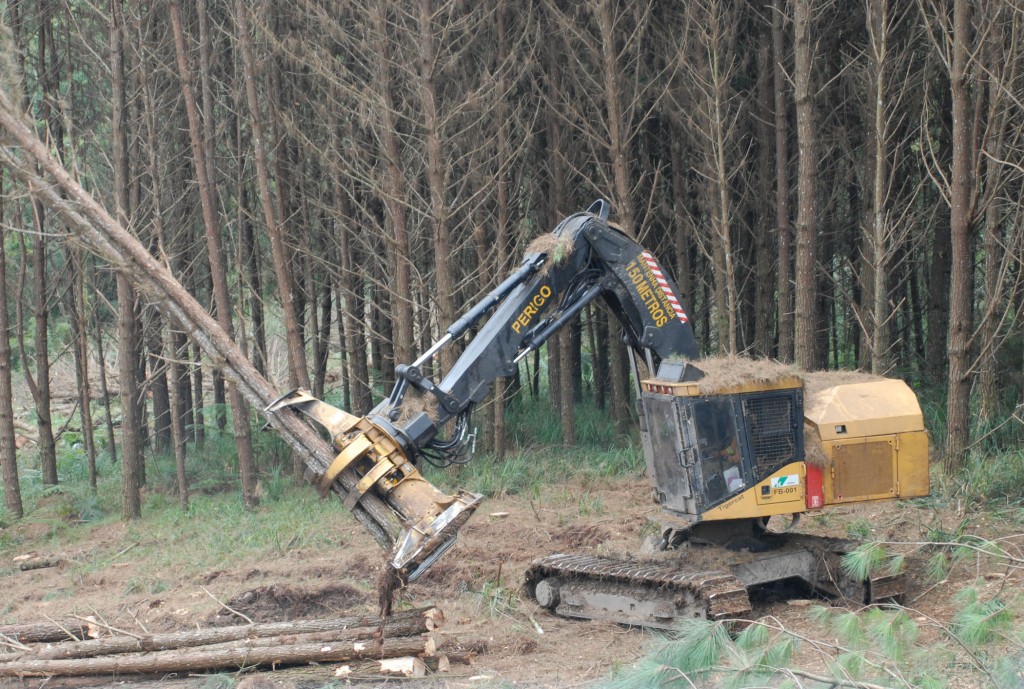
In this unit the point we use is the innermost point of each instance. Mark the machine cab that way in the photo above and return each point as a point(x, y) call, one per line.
point(706, 443)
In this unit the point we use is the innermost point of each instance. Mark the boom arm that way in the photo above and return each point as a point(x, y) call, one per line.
point(583, 259)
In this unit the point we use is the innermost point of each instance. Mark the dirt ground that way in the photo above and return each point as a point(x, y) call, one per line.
point(475, 584)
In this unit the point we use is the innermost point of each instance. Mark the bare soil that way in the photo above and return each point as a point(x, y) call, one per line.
point(476, 584)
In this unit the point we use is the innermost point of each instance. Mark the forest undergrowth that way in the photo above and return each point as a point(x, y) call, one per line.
point(893, 645)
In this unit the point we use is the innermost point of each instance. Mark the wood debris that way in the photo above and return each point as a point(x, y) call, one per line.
point(402, 648)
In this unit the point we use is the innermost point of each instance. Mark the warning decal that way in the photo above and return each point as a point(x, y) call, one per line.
point(663, 283)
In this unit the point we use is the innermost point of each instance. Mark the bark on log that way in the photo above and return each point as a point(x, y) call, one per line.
point(245, 654)
point(406, 623)
point(449, 658)
point(39, 563)
point(88, 222)
point(46, 632)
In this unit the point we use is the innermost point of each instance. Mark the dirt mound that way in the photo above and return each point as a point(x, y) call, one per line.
point(519, 645)
point(582, 537)
point(277, 603)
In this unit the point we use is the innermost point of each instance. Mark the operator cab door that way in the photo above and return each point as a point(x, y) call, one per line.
point(667, 462)
point(717, 448)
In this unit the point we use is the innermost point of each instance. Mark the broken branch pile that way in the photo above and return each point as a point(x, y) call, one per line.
point(405, 635)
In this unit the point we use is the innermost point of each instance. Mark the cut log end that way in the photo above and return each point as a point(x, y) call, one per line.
point(435, 619)
point(403, 667)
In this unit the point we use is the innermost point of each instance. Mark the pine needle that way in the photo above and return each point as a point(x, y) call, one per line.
point(937, 567)
point(753, 637)
point(863, 560)
point(700, 646)
point(982, 621)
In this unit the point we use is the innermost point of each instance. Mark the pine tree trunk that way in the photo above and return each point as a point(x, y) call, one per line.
point(557, 352)
point(620, 381)
point(158, 384)
point(437, 177)
point(218, 264)
point(323, 335)
point(127, 324)
point(503, 223)
point(618, 145)
point(198, 395)
point(786, 324)
point(297, 369)
point(764, 257)
point(8, 455)
point(40, 386)
point(41, 309)
point(80, 347)
point(400, 250)
point(682, 241)
point(961, 318)
point(104, 390)
point(878, 21)
point(177, 419)
point(599, 354)
point(806, 331)
point(350, 288)
point(989, 391)
point(131, 442)
point(253, 277)
point(938, 311)
point(567, 410)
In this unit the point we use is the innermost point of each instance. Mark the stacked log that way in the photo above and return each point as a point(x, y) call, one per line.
point(406, 634)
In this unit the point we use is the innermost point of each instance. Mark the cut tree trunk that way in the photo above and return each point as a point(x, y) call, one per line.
point(405, 623)
point(46, 632)
point(246, 653)
point(100, 233)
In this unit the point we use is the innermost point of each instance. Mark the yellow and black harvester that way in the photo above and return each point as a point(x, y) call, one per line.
point(729, 443)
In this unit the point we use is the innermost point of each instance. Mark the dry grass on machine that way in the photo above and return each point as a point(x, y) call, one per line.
point(555, 247)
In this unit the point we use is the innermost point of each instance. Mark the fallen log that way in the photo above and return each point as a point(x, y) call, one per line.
point(243, 654)
point(405, 623)
point(39, 563)
point(46, 632)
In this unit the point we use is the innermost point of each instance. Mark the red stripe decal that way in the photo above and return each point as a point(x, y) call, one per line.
point(663, 283)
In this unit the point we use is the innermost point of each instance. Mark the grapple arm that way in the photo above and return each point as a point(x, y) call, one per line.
point(583, 259)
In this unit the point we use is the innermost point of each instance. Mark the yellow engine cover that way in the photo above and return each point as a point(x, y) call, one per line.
point(872, 441)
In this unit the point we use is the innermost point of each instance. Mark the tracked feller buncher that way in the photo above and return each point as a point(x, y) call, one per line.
point(731, 445)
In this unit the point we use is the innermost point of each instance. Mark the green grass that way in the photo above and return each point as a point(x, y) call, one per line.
point(995, 478)
point(524, 472)
point(216, 531)
point(540, 457)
